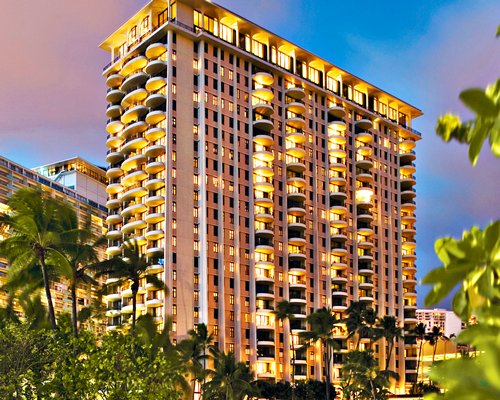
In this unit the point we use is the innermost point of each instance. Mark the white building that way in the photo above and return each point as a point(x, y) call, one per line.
point(448, 321)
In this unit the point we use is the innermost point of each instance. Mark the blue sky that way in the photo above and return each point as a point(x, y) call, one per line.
point(424, 52)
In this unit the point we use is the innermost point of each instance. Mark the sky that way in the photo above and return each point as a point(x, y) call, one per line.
point(423, 51)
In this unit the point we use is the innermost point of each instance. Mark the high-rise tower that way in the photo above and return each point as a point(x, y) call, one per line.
point(252, 171)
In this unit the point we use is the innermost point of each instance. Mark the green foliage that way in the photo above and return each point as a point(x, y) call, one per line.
point(474, 263)
point(43, 364)
point(485, 104)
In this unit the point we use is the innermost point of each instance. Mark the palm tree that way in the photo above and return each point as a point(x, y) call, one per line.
point(419, 332)
point(195, 349)
point(131, 267)
point(433, 338)
point(388, 329)
point(229, 380)
point(360, 322)
point(81, 251)
point(34, 224)
point(321, 323)
point(284, 312)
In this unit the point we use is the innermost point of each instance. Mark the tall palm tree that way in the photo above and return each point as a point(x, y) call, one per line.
point(229, 380)
point(284, 311)
point(388, 329)
point(34, 224)
point(360, 322)
point(433, 338)
point(195, 350)
point(81, 251)
point(321, 323)
point(131, 267)
point(419, 332)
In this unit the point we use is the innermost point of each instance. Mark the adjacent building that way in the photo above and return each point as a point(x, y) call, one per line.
point(251, 171)
point(449, 323)
point(14, 176)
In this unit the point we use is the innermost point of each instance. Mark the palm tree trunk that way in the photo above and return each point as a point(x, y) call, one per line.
point(46, 284)
point(135, 289)
point(391, 345)
point(434, 352)
point(327, 371)
point(74, 311)
point(293, 371)
point(419, 356)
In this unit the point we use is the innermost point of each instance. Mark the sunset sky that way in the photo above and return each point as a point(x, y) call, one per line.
point(425, 52)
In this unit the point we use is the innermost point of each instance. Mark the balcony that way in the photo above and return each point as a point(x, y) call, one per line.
point(263, 138)
point(134, 144)
point(114, 219)
point(407, 168)
point(155, 251)
point(265, 292)
point(296, 179)
point(336, 150)
point(114, 188)
point(138, 78)
point(133, 193)
point(337, 111)
point(155, 133)
point(296, 238)
point(133, 209)
point(154, 67)
point(113, 251)
point(263, 214)
point(133, 177)
point(364, 162)
point(264, 245)
point(114, 96)
point(134, 129)
point(154, 184)
point(296, 267)
point(155, 83)
point(134, 64)
point(263, 184)
point(263, 200)
point(113, 203)
point(296, 136)
point(136, 96)
point(155, 150)
point(296, 107)
point(364, 124)
point(113, 157)
point(133, 114)
point(155, 100)
point(114, 80)
point(154, 218)
point(114, 173)
point(262, 123)
point(155, 117)
point(263, 78)
point(154, 201)
point(155, 50)
point(295, 92)
point(114, 111)
point(114, 126)
point(154, 167)
point(296, 208)
point(133, 225)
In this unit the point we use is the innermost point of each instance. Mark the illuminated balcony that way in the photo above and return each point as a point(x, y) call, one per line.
point(339, 290)
point(407, 180)
point(154, 218)
point(296, 267)
point(154, 183)
point(262, 123)
point(297, 286)
point(263, 154)
point(338, 277)
point(296, 121)
point(114, 111)
point(408, 243)
point(263, 230)
point(407, 156)
point(133, 209)
point(263, 200)
point(365, 255)
point(408, 206)
point(263, 92)
point(296, 223)
point(264, 275)
point(114, 80)
point(364, 175)
point(154, 167)
point(265, 292)
point(134, 128)
point(295, 92)
point(155, 117)
point(154, 67)
point(114, 235)
point(364, 162)
point(114, 173)
point(133, 193)
point(295, 164)
point(409, 292)
point(407, 168)
point(336, 150)
point(338, 263)
point(263, 214)
point(366, 298)
point(134, 144)
point(114, 96)
point(113, 203)
point(155, 100)
point(296, 238)
point(155, 83)
point(296, 179)
point(338, 249)
point(263, 184)
point(134, 80)
point(409, 281)
point(155, 150)
point(365, 283)
point(296, 208)
point(263, 78)
point(114, 126)
point(154, 269)
point(264, 245)
point(135, 96)
point(155, 50)
point(338, 220)
point(133, 114)
point(134, 225)
point(154, 201)
point(338, 235)
point(113, 157)
point(134, 64)
point(153, 134)
point(296, 136)
point(133, 177)
point(296, 253)
point(114, 188)
point(152, 302)
point(262, 107)
point(337, 125)
point(155, 251)
point(337, 111)
point(296, 107)
point(263, 138)
point(409, 255)
point(295, 194)
point(155, 234)
point(263, 168)
point(364, 215)
point(363, 136)
point(133, 162)
point(113, 251)
point(113, 219)
point(409, 268)
point(364, 124)
point(364, 195)
point(337, 192)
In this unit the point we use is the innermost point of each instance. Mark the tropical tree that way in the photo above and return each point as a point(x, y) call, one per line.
point(195, 350)
point(34, 223)
point(362, 379)
point(81, 250)
point(419, 332)
point(388, 328)
point(360, 322)
point(229, 380)
point(130, 267)
point(284, 312)
point(321, 324)
point(433, 338)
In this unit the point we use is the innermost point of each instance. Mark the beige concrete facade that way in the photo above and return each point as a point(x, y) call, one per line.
point(253, 171)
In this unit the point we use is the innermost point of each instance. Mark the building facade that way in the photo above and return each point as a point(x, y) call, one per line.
point(14, 177)
point(252, 171)
point(449, 323)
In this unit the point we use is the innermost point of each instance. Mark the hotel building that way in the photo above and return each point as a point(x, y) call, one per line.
point(447, 321)
point(251, 171)
point(14, 177)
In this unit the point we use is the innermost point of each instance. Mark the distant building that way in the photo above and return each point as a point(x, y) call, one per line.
point(447, 321)
point(89, 182)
